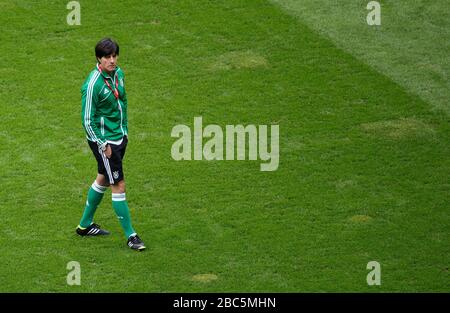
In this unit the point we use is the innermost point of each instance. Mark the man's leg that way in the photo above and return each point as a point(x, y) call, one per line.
point(120, 205)
point(95, 196)
point(119, 200)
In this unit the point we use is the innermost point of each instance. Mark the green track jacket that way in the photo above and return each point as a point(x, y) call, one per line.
point(104, 117)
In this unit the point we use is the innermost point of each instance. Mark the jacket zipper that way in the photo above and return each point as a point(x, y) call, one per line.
point(121, 116)
point(102, 123)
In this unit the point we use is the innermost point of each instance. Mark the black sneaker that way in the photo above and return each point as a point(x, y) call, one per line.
point(135, 243)
point(91, 230)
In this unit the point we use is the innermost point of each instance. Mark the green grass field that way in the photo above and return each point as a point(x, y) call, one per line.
point(364, 146)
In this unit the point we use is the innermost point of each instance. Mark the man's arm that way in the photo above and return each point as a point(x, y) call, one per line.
point(89, 102)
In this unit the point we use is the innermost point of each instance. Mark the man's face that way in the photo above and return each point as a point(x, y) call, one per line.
point(109, 62)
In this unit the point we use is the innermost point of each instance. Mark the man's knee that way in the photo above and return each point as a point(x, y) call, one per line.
point(118, 187)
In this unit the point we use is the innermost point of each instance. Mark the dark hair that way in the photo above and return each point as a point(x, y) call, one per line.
point(105, 47)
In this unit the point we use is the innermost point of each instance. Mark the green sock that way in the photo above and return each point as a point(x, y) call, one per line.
point(94, 198)
point(120, 206)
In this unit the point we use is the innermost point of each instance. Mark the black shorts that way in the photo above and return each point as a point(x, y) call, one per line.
point(111, 168)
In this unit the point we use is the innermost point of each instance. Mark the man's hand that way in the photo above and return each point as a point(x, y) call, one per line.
point(108, 151)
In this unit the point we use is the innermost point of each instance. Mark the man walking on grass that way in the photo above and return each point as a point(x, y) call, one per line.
point(104, 118)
